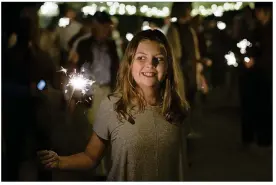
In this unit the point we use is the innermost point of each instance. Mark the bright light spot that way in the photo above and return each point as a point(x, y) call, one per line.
point(221, 25)
point(227, 6)
point(243, 44)
point(78, 83)
point(63, 22)
point(122, 5)
point(122, 11)
point(246, 59)
point(238, 5)
point(41, 85)
point(49, 9)
point(102, 8)
point(146, 28)
point(109, 3)
point(128, 7)
point(112, 11)
point(201, 8)
point(174, 19)
point(194, 12)
point(231, 59)
point(166, 10)
point(204, 12)
point(252, 5)
point(63, 70)
point(149, 12)
point(129, 36)
point(219, 11)
point(144, 9)
point(131, 9)
point(154, 10)
point(115, 5)
point(145, 25)
point(160, 13)
point(243, 51)
point(214, 6)
point(89, 9)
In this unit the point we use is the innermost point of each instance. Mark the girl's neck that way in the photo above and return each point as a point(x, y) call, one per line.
point(151, 96)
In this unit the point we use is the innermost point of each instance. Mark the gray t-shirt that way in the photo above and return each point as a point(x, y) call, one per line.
point(151, 149)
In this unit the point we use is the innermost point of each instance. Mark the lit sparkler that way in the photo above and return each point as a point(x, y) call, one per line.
point(78, 82)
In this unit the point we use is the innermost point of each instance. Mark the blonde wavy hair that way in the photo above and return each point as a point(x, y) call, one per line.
point(174, 104)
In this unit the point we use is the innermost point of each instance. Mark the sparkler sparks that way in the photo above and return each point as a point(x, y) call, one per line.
point(78, 83)
point(63, 70)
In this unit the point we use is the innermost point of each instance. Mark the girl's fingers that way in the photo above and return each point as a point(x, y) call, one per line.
point(52, 165)
point(42, 153)
point(46, 157)
point(49, 160)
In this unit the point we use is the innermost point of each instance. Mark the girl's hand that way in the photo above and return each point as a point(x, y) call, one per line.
point(49, 159)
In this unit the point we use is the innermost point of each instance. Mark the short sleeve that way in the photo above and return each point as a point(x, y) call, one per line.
point(103, 119)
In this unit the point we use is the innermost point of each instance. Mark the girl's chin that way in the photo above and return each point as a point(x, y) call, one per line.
point(148, 85)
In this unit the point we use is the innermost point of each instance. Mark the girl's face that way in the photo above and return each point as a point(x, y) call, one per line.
point(149, 64)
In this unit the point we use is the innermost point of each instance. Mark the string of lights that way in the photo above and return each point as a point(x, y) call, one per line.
point(49, 9)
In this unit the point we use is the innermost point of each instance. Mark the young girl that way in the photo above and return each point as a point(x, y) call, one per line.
point(141, 121)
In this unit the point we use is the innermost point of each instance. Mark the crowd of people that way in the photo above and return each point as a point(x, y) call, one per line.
point(159, 78)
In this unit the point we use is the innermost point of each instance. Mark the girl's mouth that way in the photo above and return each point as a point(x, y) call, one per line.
point(149, 74)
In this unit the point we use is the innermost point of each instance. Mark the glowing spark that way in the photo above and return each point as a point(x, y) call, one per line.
point(63, 70)
point(79, 82)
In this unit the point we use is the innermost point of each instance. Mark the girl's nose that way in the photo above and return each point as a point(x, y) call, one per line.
point(153, 61)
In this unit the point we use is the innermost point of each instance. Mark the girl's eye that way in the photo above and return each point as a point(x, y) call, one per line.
point(141, 58)
point(160, 60)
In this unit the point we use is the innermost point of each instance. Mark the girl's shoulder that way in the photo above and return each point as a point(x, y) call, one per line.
point(110, 100)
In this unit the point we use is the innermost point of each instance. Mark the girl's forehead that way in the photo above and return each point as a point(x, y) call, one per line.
point(149, 46)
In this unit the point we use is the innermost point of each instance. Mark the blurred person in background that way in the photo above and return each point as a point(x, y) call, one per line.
point(172, 34)
point(85, 30)
point(243, 28)
point(66, 33)
point(49, 42)
point(190, 51)
point(204, 70)
point(103, 61)
point(84, 33)
point(217, 47)
point(261, 65)
point(173, 37)
point(117, 37)
point(191, 60)
point(24, 66)
point(98, 54)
